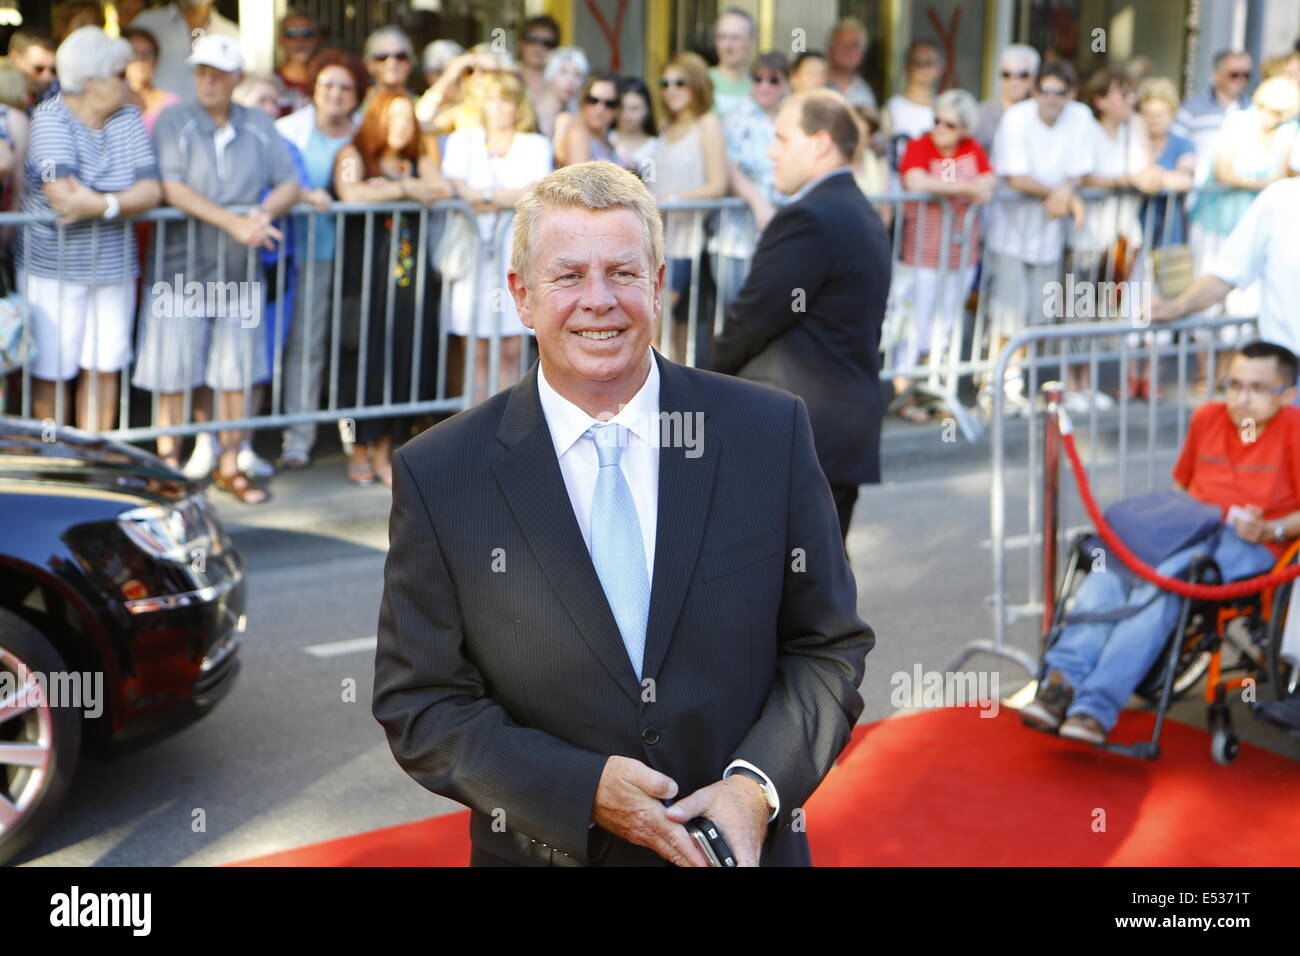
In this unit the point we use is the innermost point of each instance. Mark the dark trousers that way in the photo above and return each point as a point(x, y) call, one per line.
point(846, 496)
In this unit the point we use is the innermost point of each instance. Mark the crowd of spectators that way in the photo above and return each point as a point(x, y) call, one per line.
point(156, 116)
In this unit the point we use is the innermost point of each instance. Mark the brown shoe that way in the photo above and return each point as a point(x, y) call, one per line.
point(1047, 709)
point(1084, 728)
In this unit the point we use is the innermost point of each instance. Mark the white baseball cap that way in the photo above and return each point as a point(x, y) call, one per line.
point(219, 52)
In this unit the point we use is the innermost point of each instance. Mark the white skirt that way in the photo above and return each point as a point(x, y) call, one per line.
point(495, 307)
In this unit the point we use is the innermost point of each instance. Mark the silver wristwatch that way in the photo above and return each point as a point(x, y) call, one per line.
point(1279, 530)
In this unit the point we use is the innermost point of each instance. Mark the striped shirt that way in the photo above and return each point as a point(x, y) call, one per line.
point(108, 160)
point(968, 162)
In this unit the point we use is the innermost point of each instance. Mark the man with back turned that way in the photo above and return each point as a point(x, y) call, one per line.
point(808, 318)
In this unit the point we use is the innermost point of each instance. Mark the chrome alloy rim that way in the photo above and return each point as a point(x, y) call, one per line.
point(26, 741)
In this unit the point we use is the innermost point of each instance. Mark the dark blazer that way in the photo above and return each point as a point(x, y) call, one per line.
point(822, 342)
point(501, 679)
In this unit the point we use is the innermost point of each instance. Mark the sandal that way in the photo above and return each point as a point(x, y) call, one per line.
point(362, 475)
point(293, 461)
point(911, 412)
point(240, 486)
point(385, 475)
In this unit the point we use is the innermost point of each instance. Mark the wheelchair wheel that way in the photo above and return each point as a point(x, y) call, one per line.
point(1193, 661)
point(1224, 746)
point(1282, 674)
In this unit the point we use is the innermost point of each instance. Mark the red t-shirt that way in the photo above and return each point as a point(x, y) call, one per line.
point(967, 162)
point(1217, 467)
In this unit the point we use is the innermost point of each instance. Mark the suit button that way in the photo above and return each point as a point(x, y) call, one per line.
point(650, 735)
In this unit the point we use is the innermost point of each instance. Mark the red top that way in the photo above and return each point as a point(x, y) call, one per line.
point(1217, 467)
point(967, 162)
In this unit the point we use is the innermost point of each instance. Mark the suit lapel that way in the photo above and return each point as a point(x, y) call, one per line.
point(531, 480)
point(685, 489)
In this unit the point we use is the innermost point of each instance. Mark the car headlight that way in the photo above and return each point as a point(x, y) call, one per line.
point(181, 533)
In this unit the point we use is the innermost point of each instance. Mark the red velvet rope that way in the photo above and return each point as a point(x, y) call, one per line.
point(1208, 592)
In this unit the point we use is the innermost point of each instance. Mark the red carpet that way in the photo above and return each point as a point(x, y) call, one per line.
point(947, 787)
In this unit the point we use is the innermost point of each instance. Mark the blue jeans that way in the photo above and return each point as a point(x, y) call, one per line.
point(1105, 661)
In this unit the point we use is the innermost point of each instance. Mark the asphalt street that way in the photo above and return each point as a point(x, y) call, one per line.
point(293, 755)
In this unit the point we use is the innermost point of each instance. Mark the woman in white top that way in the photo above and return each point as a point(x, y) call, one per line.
point(1106, 248)
point(910, 114)
point(690, 162)
point(490, 167)
point(634, 135)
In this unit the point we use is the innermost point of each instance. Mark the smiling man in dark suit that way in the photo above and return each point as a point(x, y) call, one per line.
point(615, 596)
point(808, 317)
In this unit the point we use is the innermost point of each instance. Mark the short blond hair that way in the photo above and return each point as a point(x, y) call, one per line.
point(597, 184)
point(1161, 89)
point(1278, 94)
point(510, 88)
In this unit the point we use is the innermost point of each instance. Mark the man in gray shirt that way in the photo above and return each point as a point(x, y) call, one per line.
point(202, 304)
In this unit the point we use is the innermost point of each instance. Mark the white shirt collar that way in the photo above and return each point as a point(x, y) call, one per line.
point(568, 422)
point(814, 183)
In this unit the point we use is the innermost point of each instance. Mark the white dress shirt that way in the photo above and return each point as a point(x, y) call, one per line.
point(580, 465)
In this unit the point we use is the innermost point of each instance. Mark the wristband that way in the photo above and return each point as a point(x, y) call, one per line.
point(114, 207)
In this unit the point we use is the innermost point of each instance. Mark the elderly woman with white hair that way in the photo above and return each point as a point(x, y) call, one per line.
point(1017, 66)
point(566, 71)
point(929, 289)
point(90, 162)
point(389, 55)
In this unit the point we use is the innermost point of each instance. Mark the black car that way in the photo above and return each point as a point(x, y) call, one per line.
point(121, 606)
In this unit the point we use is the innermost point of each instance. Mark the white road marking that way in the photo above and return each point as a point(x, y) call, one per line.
point(339, 648)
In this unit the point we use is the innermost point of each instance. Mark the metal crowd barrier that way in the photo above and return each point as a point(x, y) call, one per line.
point(1144, 433)
point(966, 345)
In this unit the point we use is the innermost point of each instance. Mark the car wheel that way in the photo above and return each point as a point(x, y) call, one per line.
point(39, 744)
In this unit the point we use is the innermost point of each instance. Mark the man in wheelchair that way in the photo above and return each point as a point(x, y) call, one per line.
point(1244, 451)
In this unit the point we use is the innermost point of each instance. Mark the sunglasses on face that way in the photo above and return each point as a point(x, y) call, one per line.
point(400, 55)
point(666, 82)
point(1239, 75)
point(1015, 74)
point(542, 39)
point(597, 101)
point(771, 79)
point(299, 33)
point(946, 124)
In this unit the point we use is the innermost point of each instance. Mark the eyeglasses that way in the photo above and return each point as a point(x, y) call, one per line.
point(1015, 74)
point(771, 79)
point(946, 124)
point(398, 55)
point(1253, 389)
point(666, 82)
point(298, 33)
point(325, 85)
point(1239, 75)
point(542, 39)
point(1053, 91)
point(597, 101)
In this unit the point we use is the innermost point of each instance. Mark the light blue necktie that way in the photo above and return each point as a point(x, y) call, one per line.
point(616, 547)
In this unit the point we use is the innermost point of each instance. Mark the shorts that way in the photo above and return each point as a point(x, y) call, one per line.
point(226, 352)
point(78, 325)
point(1016, 293)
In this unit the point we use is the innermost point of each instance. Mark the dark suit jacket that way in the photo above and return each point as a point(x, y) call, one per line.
point(501, 679)
point(821, 344)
